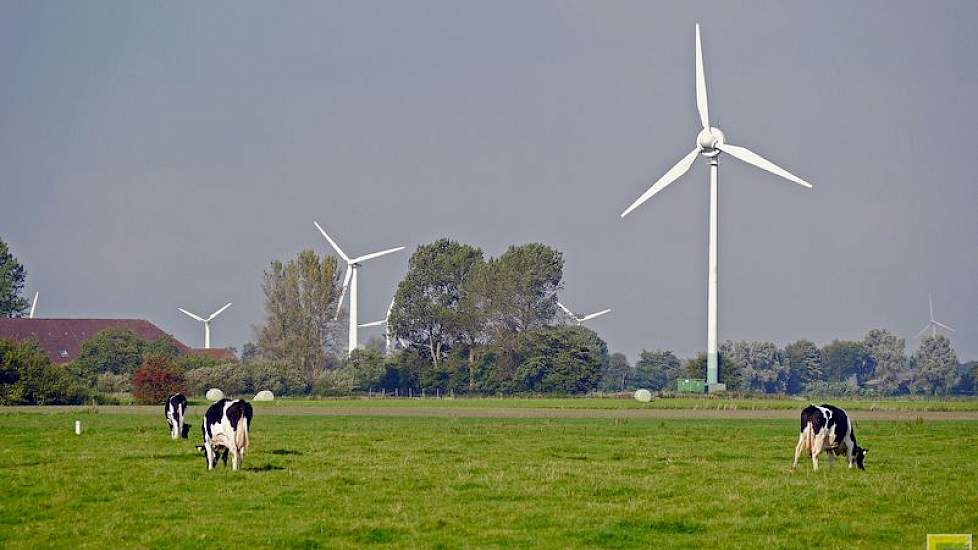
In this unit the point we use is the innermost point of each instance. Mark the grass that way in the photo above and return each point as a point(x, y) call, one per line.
point(613, 403)
point(437, 482)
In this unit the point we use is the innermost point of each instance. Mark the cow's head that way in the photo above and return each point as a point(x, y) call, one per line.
point(186, 431)
point(859, 454)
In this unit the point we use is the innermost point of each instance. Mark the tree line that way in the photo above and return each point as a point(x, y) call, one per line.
point(464, 323)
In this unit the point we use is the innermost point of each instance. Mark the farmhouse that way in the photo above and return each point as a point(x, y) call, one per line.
point(61, 339)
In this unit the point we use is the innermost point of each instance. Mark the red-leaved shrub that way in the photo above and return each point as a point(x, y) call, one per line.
point(156, 380)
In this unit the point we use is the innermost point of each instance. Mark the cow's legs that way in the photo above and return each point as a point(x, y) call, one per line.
point(849, 454)
point(235, 458)
point(817, 449)
point(799, 448)
point(209, 454)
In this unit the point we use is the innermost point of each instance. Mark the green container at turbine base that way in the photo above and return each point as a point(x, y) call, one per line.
point(691, 385)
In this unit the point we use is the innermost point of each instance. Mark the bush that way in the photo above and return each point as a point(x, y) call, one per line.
point(335, 382)
point(27, 377)
point(113, 383)
point(231, 378)
point(276, 376)
point(156, 380)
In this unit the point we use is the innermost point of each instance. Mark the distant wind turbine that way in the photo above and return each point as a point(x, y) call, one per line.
point(207, 322)
point(933, 323)
point(350, 280)
point(34, 304)
point(580, 320)
point(387, 327)
point(710, 142)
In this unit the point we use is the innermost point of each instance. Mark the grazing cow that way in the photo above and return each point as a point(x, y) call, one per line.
point(175, 411)
point(225, 428)
point(827, 428)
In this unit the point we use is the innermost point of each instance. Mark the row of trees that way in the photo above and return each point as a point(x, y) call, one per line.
point(876, 365)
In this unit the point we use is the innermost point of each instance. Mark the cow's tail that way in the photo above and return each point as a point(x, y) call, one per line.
point(241, 434)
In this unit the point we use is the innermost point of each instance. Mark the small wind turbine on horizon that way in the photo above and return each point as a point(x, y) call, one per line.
point(350, 280)
point(34, 305)
point(580, 320)
point(933, 323)
point(710, 142)
point(387, 327)
point(207, 322)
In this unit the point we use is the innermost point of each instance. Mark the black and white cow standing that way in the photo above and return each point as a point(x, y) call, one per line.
point(225, 428)
point(828, 428)
point(175, 411)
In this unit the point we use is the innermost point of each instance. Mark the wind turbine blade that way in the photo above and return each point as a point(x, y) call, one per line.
point(930, 301)
point(218, 312)
point(751, 157)
point(201, 319)
point(701, 104)
point(593, 315)
point(366, 257)
point(346, 283)
point(373, 323)
point(567, 311)
point(389, 309)
point(923, 330)
point(942, 325)
point(672, 175)
point(331, 242)
point(34, 304)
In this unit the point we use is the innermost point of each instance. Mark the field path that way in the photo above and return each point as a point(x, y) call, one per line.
point(514, 412)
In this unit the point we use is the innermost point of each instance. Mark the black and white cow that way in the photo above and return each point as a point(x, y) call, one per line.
point(175, 411)
point(225, 429)
point(828, 428)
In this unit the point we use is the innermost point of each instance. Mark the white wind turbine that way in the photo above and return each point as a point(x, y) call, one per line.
point(34, 305)
point(933, 323)
point(710, 142)
point(350, 280)
point(207, 322)
point(580, 320)
point(387, 327)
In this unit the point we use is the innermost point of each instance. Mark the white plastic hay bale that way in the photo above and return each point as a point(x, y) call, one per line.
point(264, 395)
point(214, 394)
point(643, 395)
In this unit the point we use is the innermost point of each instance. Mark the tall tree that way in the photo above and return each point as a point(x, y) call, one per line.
point(805, 364)
point(429, 311)
point(300, 298)
point(617, 374)
point(656, 370)
point(934, 365)
point(12, 277)
point(764, 366)
point(889, 363)
point(518, 291)
point(844, 361)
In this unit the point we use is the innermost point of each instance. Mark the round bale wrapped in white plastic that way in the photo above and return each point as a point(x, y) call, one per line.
point(264, 395)
point(214, 394)
point(643, 395)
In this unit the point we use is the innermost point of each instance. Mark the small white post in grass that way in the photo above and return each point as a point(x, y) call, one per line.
point(77, 427)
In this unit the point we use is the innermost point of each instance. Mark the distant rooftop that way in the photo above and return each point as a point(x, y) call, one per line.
point(61, 339)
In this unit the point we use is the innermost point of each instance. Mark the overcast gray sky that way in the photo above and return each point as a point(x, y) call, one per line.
point(160, 154)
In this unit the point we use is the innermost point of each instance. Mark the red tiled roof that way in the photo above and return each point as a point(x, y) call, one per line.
point(61, 339)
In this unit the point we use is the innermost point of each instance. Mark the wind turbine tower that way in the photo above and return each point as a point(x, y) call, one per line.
point(350, 280)
point(387, 328)
point(34, 305)
point(207, 322)
point(710, 142)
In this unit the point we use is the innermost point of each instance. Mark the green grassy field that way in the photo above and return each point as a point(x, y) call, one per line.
point(326, 481)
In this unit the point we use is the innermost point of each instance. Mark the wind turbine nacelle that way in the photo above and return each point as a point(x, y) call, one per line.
point(707, 140)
